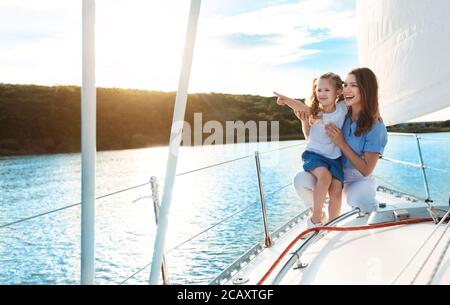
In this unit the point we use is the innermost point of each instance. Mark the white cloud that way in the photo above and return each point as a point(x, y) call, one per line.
point(40, 41)
point(261, 68)
point(290, 25)
point(140, 44)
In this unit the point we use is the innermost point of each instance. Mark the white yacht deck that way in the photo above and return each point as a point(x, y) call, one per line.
point(374, 256)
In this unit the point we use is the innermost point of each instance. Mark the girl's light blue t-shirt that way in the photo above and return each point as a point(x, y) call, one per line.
point(373, 140)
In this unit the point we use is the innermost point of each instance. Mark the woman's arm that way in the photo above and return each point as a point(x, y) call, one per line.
point(293, 104)
point(365, 164)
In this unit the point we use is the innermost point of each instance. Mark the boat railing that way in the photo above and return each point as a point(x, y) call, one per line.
point(154, 184)
point(227, 274)
point(244, 259)
point(268, 238)
point(235, 266)
point(254, 249)
point(295, 257)
point(72, 205)
point(421, 165)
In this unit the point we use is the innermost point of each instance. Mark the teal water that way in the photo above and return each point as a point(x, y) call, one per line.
point(46, 250)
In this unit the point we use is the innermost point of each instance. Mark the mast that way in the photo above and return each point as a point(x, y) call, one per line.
point(175, 140)
point(88, 144)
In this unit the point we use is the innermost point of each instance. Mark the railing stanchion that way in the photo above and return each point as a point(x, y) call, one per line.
point(155, 198)
point(267, 239)
point(428, 200)
point(424, 174)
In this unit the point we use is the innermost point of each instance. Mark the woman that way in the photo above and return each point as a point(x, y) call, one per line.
point(361, 140)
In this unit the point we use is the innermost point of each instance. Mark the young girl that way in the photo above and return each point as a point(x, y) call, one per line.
point(322, 158)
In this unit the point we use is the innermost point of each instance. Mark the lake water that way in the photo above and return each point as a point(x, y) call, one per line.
point(46, 250)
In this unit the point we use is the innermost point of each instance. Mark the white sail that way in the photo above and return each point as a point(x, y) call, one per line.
point(407, 44)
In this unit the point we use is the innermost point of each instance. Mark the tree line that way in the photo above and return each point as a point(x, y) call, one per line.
point(47, 119)
point(43, 119)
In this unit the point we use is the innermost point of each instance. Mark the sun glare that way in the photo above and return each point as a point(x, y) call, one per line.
point(139, 44)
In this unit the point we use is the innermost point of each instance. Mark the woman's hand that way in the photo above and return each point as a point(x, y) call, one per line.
point(335, 135)
point(302, 116)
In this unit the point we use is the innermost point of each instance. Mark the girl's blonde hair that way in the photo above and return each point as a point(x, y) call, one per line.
point(314, 102)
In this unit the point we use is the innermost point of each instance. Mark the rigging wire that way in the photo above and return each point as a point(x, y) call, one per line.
point(418, 250)
point(205, 230)
point(440, 260)
point(432, 250)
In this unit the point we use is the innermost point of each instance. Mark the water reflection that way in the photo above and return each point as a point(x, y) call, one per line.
point(47, 250)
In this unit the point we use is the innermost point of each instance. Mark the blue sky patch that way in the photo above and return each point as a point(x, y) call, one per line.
point(239, 40)
point(320, 33)
point(335, 53)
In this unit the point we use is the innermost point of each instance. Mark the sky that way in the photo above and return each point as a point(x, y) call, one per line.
point(242, 46)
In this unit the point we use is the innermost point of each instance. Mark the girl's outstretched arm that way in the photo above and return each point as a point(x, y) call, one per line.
point(293, 104)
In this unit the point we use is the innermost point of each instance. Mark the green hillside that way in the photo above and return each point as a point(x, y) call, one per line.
point(41, 119)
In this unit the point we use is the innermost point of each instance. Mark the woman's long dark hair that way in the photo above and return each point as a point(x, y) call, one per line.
point(368, 87)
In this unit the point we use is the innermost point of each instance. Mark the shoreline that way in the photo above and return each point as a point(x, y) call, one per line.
point(281, 139)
